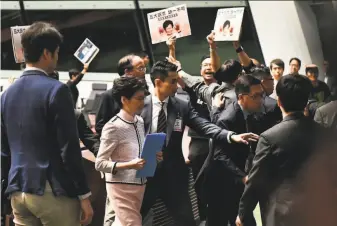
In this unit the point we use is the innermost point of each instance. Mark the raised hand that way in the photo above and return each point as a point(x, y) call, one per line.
point(210, 39)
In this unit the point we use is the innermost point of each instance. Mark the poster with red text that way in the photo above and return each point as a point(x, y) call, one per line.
point(227, 25)
point(169, 22)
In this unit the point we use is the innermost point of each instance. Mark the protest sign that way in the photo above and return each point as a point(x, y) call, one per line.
point(16, 33)
point(86, 52)
point(169, 22)
point(227, 25)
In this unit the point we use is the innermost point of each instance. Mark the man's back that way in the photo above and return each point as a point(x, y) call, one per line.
point(298, 148)
point(39, 133)
point(289, 145)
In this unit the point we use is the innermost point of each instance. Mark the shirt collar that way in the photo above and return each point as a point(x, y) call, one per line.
point(157, 101)
point(35, 69)
point(245, 113)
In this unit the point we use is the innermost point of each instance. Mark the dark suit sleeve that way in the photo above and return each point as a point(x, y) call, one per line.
point(257, 178)
point(67, 138)
point(104, 112)
point(203, 126)
point(215, 113)
point(86, 135)
point(226, 160)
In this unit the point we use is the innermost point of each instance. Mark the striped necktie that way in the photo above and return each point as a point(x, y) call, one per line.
point(161, 126)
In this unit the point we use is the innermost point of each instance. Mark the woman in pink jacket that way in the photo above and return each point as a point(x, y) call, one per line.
point(120, 150)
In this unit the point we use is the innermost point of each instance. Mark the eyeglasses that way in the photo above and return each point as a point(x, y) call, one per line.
point(256, 96)
point(143, 69)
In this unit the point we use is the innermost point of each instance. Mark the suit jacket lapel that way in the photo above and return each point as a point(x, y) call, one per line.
point(171, 117)
point(147, 114)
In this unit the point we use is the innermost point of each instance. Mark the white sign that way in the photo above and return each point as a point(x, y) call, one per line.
point(16, 33)
point(227, 25)
point(169, 22)
point(86, 52)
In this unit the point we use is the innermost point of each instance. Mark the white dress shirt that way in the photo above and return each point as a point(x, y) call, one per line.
point(156, 107)
point(35, 69)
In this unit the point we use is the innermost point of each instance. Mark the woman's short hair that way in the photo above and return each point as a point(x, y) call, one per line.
point(127, 87)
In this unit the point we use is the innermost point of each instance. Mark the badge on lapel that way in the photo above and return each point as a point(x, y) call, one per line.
point(178, 124)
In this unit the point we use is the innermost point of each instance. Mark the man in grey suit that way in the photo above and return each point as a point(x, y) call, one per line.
point(327, 115)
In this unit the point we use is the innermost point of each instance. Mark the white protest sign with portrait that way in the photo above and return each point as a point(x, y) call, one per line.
point(168, 23)
point(228, 23)
point(16, 33)
point(86, 52)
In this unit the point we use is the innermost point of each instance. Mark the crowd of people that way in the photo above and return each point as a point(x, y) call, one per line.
point(257, 137)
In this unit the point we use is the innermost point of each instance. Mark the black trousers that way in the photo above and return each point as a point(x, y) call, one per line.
point(171, 185)
point(198, 152)
point(224, 193)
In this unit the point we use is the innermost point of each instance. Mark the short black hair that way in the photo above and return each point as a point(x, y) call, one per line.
point(243, 84)
point(125, 63)
point(161, 70)
point(312, 69)
point(277, 62)
point(127, 86)
point(293, 92)
point(298, 61)
point(38, 37)
point(204, 57)
point(261, 72)
point(167, 23)
point(73, 72)
point(229, 71)
point(227, 22)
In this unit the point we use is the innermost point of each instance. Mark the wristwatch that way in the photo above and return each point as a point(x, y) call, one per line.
point(239, 50)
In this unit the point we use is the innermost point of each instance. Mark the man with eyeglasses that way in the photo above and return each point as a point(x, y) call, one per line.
point(129, 65)
point(226, 176)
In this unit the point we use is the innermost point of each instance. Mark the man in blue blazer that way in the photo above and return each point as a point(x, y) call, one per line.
point(46, 180)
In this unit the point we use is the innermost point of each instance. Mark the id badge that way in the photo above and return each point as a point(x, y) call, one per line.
point(178, 124)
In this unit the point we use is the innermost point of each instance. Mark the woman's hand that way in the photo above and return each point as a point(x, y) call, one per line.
point(137, 163)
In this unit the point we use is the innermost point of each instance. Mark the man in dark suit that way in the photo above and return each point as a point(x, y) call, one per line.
point(129, 65)
point(165, 113)
point(85, 134)
point(75, 77)
point(281, 152)
point(327, 115)
point(46, 180)
point(225, 176)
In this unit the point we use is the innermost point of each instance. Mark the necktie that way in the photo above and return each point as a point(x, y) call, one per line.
point(249, 161)
point(161, 126)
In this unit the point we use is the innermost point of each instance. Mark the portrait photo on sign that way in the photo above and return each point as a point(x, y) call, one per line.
point(16, 33)
point(227, 25)
point(170, 22)
point(86, 52)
